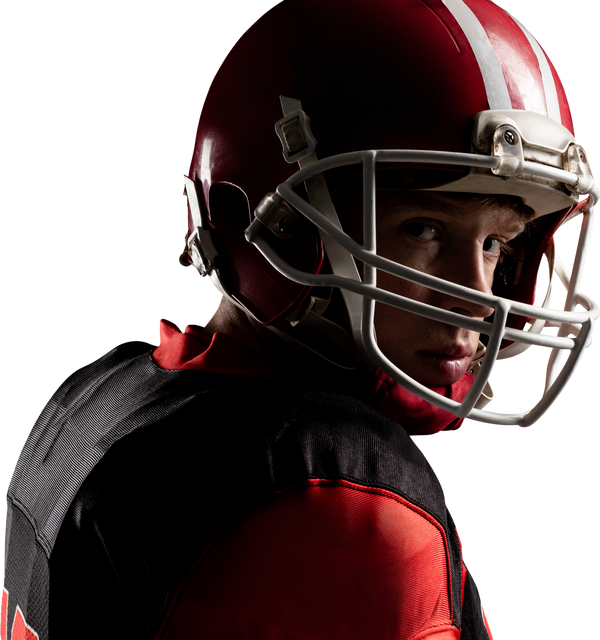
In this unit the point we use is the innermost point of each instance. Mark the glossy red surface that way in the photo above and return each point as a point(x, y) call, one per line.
point(383, 74)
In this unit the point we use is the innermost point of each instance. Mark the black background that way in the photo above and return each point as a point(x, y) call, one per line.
point(102, 107)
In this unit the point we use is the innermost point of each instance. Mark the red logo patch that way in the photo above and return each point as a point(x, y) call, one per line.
point(20, 629)
point(4, 615)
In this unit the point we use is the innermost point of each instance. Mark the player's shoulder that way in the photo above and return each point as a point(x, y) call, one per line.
point(76, 386)
point(112, 388)
point(339, 434)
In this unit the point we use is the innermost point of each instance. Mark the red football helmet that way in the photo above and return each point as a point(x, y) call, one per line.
point(446, 95)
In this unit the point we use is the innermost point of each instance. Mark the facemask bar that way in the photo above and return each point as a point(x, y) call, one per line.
point(516, 348)
point(574, 297)
point(496, 330)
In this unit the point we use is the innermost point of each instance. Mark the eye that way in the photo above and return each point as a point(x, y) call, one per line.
point(421, 230)
point(492, 245)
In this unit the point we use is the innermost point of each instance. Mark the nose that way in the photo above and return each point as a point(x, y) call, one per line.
point(469, 269)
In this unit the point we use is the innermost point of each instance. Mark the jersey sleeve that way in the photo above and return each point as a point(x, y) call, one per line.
point(330, 559)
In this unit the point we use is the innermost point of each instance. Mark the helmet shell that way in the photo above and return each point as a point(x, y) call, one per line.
point(371, 74)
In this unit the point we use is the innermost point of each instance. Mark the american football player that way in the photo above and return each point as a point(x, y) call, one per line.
point(373, 189)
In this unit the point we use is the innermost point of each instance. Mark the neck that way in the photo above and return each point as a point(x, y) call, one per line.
point(299, 352)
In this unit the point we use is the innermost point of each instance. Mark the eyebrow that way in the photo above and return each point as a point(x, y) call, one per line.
point(513, 222)
point(517, 228)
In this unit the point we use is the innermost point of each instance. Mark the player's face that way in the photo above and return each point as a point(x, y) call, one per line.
point(445, 237)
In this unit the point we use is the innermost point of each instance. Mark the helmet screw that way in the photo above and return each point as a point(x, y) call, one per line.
point(510, 137)
point(283, 225)
point(582, 156)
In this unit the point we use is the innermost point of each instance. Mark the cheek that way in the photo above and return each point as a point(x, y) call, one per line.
point(489, 271)
point(403, 336)
point(397, 330)
point(404, 288)
point(396, 323)
point(398, 249)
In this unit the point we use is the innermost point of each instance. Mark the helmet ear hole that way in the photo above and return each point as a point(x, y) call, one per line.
point(230, 204)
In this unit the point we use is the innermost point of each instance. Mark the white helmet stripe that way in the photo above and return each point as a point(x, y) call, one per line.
point(552, 104)
point(493, 77)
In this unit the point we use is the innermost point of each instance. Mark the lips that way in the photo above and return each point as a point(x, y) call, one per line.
point(449, 363)
point(455, 351)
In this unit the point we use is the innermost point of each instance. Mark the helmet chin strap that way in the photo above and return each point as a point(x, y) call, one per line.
point(487, 395)
point(294, 132)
